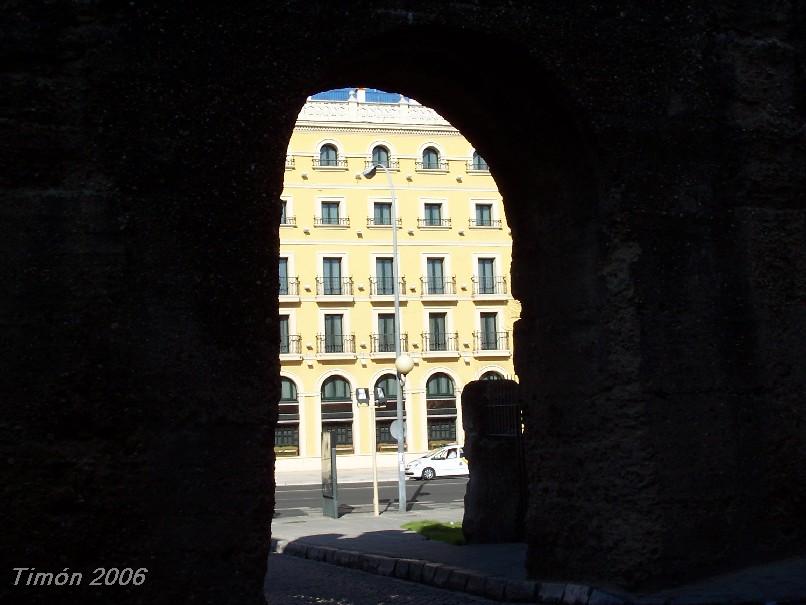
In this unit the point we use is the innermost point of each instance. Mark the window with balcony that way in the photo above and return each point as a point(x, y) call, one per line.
point(380, 156)
point(488, 335)
point(484, 215)
point(328, 155)
point(432, 216)
point(431, 159)
point(486, 283)
point(437, 332)
point(386, 333)
point(284, 335)
point(283, 266)
point(435, 276)
point(382, 213)
point(331, 276)
point(334, 341)
point(478, 162)
point(331, 213)
point(384, 276)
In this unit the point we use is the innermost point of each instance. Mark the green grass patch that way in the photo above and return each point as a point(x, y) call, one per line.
point(450, 532)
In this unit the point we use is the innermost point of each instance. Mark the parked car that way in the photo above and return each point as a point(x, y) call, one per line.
point(445, 461)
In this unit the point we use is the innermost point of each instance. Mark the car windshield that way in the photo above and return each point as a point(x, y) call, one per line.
point(432, 452)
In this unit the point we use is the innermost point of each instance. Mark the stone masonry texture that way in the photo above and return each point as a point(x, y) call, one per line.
point(651, 157)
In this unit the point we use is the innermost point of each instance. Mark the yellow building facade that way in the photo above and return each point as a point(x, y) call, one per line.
point(336, 284)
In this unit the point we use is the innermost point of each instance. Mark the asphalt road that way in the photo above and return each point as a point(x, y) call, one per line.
point(449, 491)
point(295, 581)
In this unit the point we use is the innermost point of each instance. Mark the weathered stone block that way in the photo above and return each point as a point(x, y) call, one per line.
point(520, 590)
point(576, 594)
point(551, 592)
point(599, 597)
point(495, 587)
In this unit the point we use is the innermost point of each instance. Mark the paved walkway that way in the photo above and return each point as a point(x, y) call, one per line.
point(379, 545)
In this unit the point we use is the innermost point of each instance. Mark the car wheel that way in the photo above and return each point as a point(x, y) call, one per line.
point(428, 473)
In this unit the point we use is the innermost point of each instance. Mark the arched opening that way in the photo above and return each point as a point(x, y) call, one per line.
point(337, 412)
point(440, 397)
point(386, 414)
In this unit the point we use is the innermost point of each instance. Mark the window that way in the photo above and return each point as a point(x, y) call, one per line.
point(432, 215)
point(342, 435)
point(491, 375)
point(288, 390)
point(484, 215)
point(334, 336)
point(286, 434)
point(283, 212)
point(384, 273)
point(437, 334)
point(440, 400)
point(380, 155)
point(430, 158)
point(382, 213)
point(388, 382)
point(479, 163)
point(283, 276)
point(439, 386)
point(486, 276)
point(386, 332)
point(331, 276)
point(284, 336)
point(336, 388)
point(328, 155)
point(489, 331)
point(435, 275)
point(330, 213)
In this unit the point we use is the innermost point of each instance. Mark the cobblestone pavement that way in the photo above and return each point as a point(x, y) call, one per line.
point(295, 581)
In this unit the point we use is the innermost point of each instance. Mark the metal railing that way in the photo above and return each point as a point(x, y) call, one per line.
point(328, 221)
point(438, 165)
point(433, 222)
point(334, 163)
point(335, 343)
point(371, 222)
point(385, 343)
point(489, 285)
point(334, 286)
point(476, 166)
point(289, 286)
point(288, 220)
point(491, 341)
point(430, 286)
point(391, 164)
point(484, 222)
point(440, 341)
point(292, 345)
point(289, 162)
point(384, 286)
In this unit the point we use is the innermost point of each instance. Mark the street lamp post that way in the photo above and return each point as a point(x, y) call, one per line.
point(403, 363)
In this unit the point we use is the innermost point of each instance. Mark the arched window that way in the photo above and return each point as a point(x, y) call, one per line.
point(288, 390)
point(336, 388)
point(380, 155)
point(479, 163)
point(491, 375)
point(440, 403)
point(439, 386)
point(337, 412)
point(328, 155)
point(430, 158)
point(387, 413)
point(286, 433)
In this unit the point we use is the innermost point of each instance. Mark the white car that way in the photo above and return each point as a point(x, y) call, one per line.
point(441, 462)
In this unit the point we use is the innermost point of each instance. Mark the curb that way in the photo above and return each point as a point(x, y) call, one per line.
point(453, 578)
point(495, 588)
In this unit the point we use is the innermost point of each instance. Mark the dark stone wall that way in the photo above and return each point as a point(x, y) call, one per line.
point(652, 160)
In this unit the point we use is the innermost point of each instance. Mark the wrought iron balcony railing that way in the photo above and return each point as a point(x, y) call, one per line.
point(330, 221)
point(430, 286)
point(477, 166)
point(489, 222)
point(391, 164)
point(433, 222)
point(292, 345)
point(385, 286)
point(289, 162)
point(289, 286)
point(489, 285)
point(385, 343)
point(438, 165)
point(335, 343)
point(491, 341)
point(440, 341)
point(334, 163)
point(334, 286)
point(288, 220)
point(373, 222)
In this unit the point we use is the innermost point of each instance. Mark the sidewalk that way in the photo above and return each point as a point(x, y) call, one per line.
point(496, 571)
